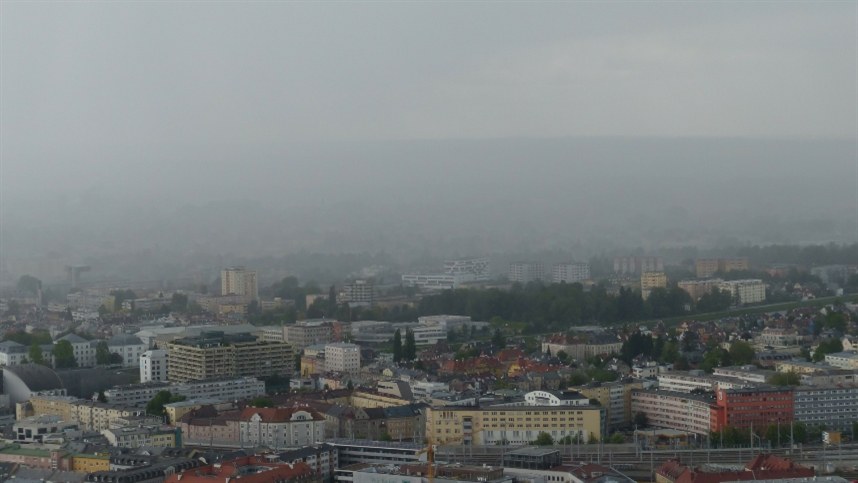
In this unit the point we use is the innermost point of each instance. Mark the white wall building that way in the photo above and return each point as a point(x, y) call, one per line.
point(570, 272)
point(749, 291)
point(524, 272)
point(342, 357)
point(556, 398)
point(239, 281)
point(436, 281)
point(84, 350)
point(153, 366)
point(476, 266)
point(129, 347)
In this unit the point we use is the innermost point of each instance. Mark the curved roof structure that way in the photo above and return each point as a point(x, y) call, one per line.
point(36, 376)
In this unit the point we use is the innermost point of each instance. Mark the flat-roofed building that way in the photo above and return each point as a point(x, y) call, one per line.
point(309, 332)
point(843, 360)
point(490, 425)
point(651, 281)
point(674, 410)
point(525, 272)
point(570, 272)
point(759, 407)
point(834, 407)
point(215, 354)
point(749, 291)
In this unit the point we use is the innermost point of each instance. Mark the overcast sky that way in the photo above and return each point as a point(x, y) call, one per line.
point(85, 76)
point(295, 104)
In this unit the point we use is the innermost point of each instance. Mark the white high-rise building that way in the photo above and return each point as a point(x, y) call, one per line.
point(750, 291)
point(570, 272)
point(523, 272)
point(239, 281)
point(342, 357)
point(153, 366)
point(476, 266)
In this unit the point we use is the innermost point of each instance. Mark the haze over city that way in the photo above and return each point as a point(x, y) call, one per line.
point(413, 129)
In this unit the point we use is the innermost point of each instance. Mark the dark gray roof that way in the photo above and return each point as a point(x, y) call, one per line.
point(73, 338)
point(10, 346)
point(36, 376)
point(124, 339)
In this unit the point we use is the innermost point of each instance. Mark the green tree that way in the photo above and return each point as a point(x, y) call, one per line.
point(29, 284)
point(409, 350)
point(262, 402)
point(332, 300)
point(829, 346)
point(741, 353)
point(64, 355)
point(784, 379)
point(179, 302)
point(543, 439)
point(155, 406)
point(102, 353)
point(35, 354)
point(617, 438)
point(641, 419)
point(498, 340)
point(397, 346)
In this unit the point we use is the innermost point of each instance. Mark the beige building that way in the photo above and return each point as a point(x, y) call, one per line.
point(308, 332)
point(342, 357)
point(749, 291)
point(90, 415)
point(239, 281)
point(652, 280)
point(615, 397)
point(490, 425)
point(674, 410)
point(137, 436)
point(698, 288)
point(706, 267)
point(215, 354)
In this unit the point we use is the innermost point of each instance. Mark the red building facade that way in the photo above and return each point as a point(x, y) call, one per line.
point(757, 407)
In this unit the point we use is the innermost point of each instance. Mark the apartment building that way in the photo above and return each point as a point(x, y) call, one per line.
point(153, 366)
point(239, 281)
point(624, 266)
point(273, 427)
point(652, 280)
point(515, 425)
point(833, 406)
point(752, 406)
point(699, 288)
point(570, 272)
point(342, 357)
point(357, 293)
point(706, 267)
point(749, 291)
point(223, 389)
point(308, 332)
point(674, 410)
point(214, 354)
point(129, 347)
point(524, 272)
point(615, 397)
point(843, 360)
point(476, 267)
point(156, 436)
point(84, 350)
point(687, 381)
